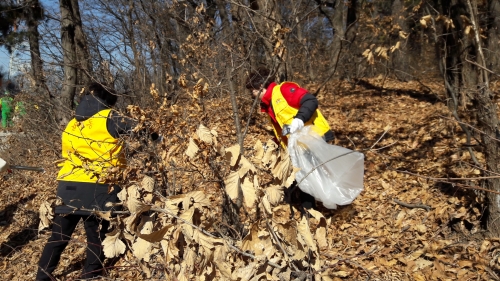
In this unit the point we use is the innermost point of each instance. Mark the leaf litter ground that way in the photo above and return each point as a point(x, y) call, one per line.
point(403, 226)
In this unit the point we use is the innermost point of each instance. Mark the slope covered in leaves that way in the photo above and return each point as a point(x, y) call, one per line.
point(201, 208)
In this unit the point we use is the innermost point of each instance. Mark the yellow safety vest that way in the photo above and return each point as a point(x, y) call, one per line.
point(284, 114)
point(89, 150)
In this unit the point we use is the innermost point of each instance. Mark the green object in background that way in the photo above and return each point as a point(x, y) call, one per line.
point(6, 103)
point(20, 110)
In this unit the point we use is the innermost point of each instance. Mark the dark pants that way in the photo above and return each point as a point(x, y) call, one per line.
point(306, 200)
point(62, 230)
point(296, 195)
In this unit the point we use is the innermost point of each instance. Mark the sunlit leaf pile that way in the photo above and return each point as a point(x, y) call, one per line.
point(197, 206)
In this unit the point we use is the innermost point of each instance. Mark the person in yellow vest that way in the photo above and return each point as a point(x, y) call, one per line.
point(90, 146)
point(288, 104)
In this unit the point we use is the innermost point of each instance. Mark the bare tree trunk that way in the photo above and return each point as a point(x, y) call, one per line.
point(34, 12)
point(493, 50)
point(465, 72)
point(451, 66)
point(338, 24)
point(126, 20)
point(69, 60)
point(487, 117)
point(159, 57)
point(240, 39)
point(267, 20)
point(81, 48)
point(234, 105)
point(137, 56)
point(342, 19)
point(334, 12)
point(402, 56)
point(488, 122)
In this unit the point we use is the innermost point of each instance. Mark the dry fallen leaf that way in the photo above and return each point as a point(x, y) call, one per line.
point(304, 231)
point(274, 194)
point(249, 194)
point(232, 183)
point(112, 245)
point(204, 134)
point(148, 184)
point(46, 214)
point(192, 148)
point(232, 154)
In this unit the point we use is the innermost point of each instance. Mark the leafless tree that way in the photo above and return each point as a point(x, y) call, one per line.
point(75, 54)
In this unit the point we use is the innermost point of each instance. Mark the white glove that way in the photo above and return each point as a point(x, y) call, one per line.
point(296, 125)
point(3, 165)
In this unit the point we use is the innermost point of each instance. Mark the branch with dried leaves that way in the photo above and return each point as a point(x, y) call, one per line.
point(155, 209)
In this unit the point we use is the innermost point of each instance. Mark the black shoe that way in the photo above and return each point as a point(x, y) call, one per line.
point(308, 204)
point(307, 201)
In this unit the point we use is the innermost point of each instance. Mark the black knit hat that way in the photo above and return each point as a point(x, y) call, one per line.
point(106, 94)
point(258, 79)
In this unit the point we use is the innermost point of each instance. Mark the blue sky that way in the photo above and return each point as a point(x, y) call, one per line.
point(4, 54)
point(4, 59)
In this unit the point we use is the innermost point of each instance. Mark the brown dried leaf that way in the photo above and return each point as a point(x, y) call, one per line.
point(340, 273)
point(169, 245)
point(320, 234)
point(134, 205)
point(141, 249)
point(291, 178)
point(283, 167)
point(415, 255)
point(156, 236)
point(289, 231)
point(246, 272)
point(248, 192)
point(259, 152)
point(232, 183)
point(274, 194)
point(122, 195)
point(251, 238)
point(46, 215)
point(224, 268)
point(148, 184)
point(485, 246)
point(369, 56)
point(188, 215)
point(204, 134)
point(232, 154)
point(104, 215)
point(245, 167)
point(421, 264)
point(395, 47)
point(304, 230)
point(266, 205)
point(192, 148)
point(133, 192)
point(112, 245)
point(271, 147)
point(199, 198)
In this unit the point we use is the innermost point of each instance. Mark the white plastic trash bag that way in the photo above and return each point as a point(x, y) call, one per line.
point(333, 182)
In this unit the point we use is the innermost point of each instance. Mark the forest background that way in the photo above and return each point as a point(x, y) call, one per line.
point(412, 84)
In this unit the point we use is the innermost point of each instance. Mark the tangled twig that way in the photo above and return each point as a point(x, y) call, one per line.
point(453, 183)
point(404, 204)
point(348, 260)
